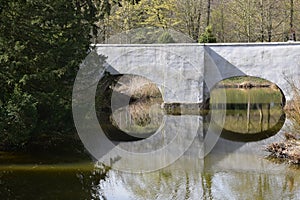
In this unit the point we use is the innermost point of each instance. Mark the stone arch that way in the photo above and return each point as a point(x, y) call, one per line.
point(117, 99)
point(272, 84)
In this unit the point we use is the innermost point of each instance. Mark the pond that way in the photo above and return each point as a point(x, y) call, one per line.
point(236, 168)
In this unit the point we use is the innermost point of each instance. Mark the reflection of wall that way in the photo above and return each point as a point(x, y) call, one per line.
point(178, 69)
point(187, 183)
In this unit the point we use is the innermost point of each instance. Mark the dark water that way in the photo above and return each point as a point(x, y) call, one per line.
point(184, 180)
point(236, 168)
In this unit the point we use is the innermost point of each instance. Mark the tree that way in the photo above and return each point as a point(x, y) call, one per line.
point(233, 20)
point(41, 46)
point(253, 20)
point(271, 19)
point(160, 13)
point(220, 21)
point(207, 36)
point(126, 15)
point(190, 17)
point(184, 16)
point(245, 16)
point(292, 31)
point(103, 10)
point(208, 12)
point(292, 19)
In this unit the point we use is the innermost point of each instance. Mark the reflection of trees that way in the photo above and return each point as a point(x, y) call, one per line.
point(251, 114)
point(135, 112)
point(90, 181)
point(207, 185)
point(254, 186)
point(252, 118)
point(188, 184)
point(139, 117)
point(59, 182)
point(164, 184)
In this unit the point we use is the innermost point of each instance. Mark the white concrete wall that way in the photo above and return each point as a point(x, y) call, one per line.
point(180, 69)
point(272, 61)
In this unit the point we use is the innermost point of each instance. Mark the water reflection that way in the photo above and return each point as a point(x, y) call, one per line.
point(128, 107)
point(188, 183)
point(251, 114)
point(51, 183)
point(187, 178)
point(235, 169)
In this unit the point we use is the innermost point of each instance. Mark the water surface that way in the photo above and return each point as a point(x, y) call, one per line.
point(236, 168)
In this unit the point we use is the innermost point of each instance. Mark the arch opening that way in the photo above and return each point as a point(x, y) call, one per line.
point(128, 107)
point(254, 108)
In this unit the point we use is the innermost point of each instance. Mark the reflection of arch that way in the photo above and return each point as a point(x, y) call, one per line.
point(117, 93)
point(283, 100)
point(235, 136)
point(207, 91)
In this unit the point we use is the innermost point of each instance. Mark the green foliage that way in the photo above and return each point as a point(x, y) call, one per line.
point(149, 35)
point(160, 13)
point(18, 118)
point(207, 36)
point(233, 21)
point(42, 43)
point(165, 37)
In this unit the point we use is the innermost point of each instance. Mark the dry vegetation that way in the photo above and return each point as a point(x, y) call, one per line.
point(246, 82)
point(137, 87)
point(289, 149)
point(292, 108)
point(143, 114)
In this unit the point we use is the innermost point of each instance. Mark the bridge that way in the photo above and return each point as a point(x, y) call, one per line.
point(180, 70)
point(184, 73)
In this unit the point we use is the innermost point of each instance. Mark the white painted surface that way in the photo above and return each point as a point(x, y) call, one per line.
point(179, 69)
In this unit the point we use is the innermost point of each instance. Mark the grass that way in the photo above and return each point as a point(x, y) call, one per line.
point(244, 82)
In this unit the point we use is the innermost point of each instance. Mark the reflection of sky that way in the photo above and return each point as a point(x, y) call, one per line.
point(119, 193)
point(113, 188)
point(224, 185)
point(256, 186)
point(220, 189)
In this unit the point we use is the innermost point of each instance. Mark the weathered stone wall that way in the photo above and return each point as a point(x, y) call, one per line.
point(177, 69)
point(180, 69)
point(275, 62)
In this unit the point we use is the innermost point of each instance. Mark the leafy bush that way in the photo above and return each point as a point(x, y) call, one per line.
point(207, 36)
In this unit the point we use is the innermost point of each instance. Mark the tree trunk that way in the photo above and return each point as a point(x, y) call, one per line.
point(222, 24)
point(208, 12)
point(197, 29)
point(292, 30)
point(270, 27)
point(262, 25)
